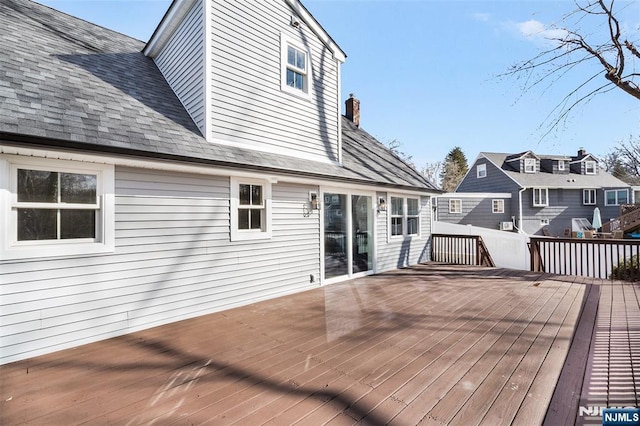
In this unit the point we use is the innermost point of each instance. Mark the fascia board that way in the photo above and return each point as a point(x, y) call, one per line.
point(169, 23)
point(315, 26)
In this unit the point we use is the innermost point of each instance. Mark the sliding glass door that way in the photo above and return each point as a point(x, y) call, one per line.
point(348, 234)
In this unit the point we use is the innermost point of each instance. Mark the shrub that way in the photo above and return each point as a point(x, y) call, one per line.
point(627, 270)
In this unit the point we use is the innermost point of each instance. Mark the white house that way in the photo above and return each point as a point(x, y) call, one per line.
point(211, 167)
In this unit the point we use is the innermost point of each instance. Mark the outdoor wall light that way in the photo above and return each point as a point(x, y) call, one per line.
point(382, 205)
point(313, 200)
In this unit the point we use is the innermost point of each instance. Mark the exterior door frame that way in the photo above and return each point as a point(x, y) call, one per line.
point(349, 192)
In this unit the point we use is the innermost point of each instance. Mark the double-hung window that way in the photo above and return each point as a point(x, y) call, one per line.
point(250, 209)
point(589, 197)
point(397, 216)
point(296, 68)
point(58, 208)
point(540, 197)
point(481, 171)
point(455, 206)
point(405, 216)
point(590, 167)
point(413, 216)
point(529, 165)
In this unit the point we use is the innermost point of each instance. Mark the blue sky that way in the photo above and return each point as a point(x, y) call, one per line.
point(426, 72)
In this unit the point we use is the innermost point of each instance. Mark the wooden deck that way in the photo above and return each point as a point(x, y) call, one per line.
point(431, 344)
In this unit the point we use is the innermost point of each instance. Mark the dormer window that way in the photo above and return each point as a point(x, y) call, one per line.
point(529, 165)
point(296, 68)
point(561, 166)
point(590, 167)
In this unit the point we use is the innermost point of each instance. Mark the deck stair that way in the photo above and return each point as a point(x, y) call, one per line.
point(628, 221)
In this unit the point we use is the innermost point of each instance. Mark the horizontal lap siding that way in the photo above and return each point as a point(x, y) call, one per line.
point(248, 106)
point(182, 64)
point(173, 260)
point(396, 252)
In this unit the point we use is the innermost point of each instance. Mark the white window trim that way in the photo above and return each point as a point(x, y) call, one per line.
point(481, 171)
point(452, 204)
point(594, 198)
point(561, 166)
point(249, 234)
point(616, 191)
point(586, 167)
point(546, 190)
point(530, 162)
point(500, 204)
point(285, 42)
point(11, 248)
point(405, 215)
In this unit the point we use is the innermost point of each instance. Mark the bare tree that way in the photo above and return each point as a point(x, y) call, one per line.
point(612, 51)
point(623, 161)
point(431, 171)
point(395, 146)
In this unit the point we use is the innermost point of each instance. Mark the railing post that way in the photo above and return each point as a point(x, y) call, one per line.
point(535, 255)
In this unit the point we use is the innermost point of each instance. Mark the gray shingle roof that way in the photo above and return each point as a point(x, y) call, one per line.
point(550, 180)
point(69, 83)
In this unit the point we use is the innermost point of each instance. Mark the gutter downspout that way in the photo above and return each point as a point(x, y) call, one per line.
point(520, 210)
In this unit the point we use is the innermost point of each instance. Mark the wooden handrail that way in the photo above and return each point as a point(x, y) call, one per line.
point(629, 218)
point(460, 250)
point(597, 258)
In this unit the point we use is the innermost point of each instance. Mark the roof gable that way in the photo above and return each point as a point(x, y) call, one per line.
point(83, 88)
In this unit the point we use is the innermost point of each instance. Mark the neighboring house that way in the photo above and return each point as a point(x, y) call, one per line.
point(142, 184)
point(478, 209)
point(547, 191)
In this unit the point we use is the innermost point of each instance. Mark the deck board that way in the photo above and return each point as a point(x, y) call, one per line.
point(434, 344)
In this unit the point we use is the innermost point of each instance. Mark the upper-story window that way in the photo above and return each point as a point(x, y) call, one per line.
point(616, 197)
point(589, 197)
point(296, 68)
point(561, 165)
point(497, 206)
point(529, 165)
point(540, 197)
point(590, 167)
point(481, 171)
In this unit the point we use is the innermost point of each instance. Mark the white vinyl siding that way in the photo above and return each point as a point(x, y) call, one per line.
point(182, 63)
point(394, 252)
point(249, 108)
point(173, 260)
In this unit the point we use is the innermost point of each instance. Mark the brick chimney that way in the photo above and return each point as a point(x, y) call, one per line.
point(353, 110)
point(582, 152)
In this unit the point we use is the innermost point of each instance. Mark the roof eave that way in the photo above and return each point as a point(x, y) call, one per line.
point(169, 23)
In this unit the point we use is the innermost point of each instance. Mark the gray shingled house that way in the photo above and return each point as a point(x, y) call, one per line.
point(144, 183)
point(541, 192)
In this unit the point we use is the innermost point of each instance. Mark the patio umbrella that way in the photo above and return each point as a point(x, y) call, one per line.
point(597, 219)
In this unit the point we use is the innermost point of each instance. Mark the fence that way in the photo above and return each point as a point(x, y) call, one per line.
point(596, 258)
